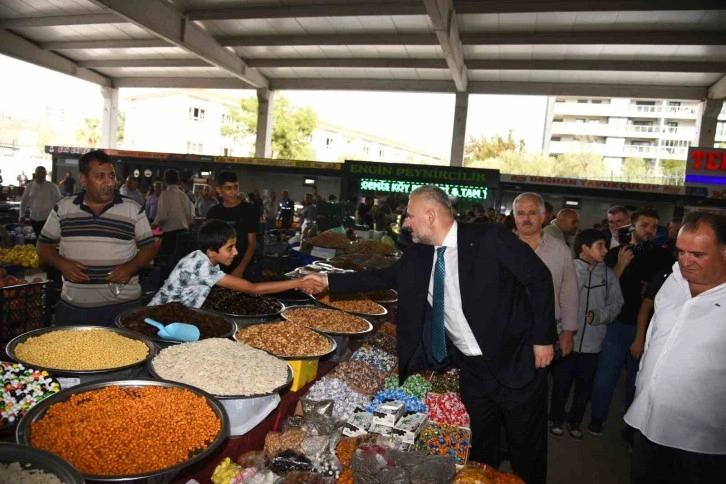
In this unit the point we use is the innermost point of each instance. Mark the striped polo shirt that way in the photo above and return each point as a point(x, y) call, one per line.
point(100, 242)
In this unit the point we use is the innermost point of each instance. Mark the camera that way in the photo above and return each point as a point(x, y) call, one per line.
point(625, 236)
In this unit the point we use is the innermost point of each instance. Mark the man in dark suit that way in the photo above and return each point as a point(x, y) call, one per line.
point(496, 322)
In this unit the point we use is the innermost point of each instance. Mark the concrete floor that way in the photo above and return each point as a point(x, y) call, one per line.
point(592, 460)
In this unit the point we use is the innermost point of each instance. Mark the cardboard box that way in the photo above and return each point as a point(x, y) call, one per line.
point(409, 426)
point(358, 423)
point(388, 413)
point(383, 430)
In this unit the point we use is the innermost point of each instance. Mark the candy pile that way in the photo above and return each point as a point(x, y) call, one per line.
point(448, 381)
point(442, 439)
point(413, 404)
point(375, 357)
point(384, 342)
point(388, 328)
point(359, 376)
point(22, 389)
point(346, 399)
point(414, 385)
point(447, 408)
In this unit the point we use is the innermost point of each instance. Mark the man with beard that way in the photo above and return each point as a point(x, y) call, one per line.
point(475, 295)
point(103, 241)
point(634, 261)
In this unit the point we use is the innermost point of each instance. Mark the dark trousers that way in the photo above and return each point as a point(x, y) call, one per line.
point(657, 464)
point(37, 226)
point(614, 352)
point(69, 315)
point(577, 368)
point(168, 242)
point(524, 415)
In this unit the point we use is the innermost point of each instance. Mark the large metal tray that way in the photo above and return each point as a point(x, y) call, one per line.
point(249, 316)
point(334, 345)
point(335, 333)
point(390, 296)
point(32, 458)
point(288, 382)
point(120, 317)
point(23, 432)
point(383, 311)
point(10, 349)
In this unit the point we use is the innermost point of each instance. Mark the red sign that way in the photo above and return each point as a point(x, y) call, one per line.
point(706, 159)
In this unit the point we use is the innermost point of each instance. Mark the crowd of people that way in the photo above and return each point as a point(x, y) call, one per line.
point(512, 300)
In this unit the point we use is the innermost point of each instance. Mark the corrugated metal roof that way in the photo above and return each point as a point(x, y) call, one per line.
point(675, 48)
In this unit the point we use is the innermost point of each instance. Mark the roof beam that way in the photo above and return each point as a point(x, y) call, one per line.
point(529, 6)
point(94, 64)
point(181, 82)
point(346, 9)
point(363, 85)
point(104, 44)
point(353, 39)
point(586, 89)
point(375, 63)
point(163, 20)
point(634, 37)
point(60, 20)
point(446, 28)
point(15, 46)
point(718, 90)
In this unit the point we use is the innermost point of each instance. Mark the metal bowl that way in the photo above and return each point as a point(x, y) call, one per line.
point(388, 296)
point(120, 318)
point(10, 350)
point(250, 316)
point(383, 311)
point(333, 343)
point(292, 296)
point(33, 458)
point(23, 432)
point(335, 333)
point(288, 382)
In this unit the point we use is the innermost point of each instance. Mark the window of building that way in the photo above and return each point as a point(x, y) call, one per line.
point(366, 150)
point(557, 138)
point(596, 101)
point(196, 114)
point(194, 147)
point(579, 121)
point(328, 143)
point(381, 153)
point(227, 152)
point(582, 101)
point(674, 104)
point(226, 119)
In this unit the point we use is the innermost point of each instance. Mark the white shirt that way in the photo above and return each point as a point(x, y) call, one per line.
point(681, 386)
point(455, 322)
point(39, 198)
point(174, 210)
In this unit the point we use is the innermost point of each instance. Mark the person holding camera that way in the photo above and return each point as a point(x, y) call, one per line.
point(634, 261)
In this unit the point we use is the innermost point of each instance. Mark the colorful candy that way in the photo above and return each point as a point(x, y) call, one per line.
point(22, 389)
point(442, 439)
point(345, 398)
point(447, 381)
point(415, 385)
point(413, 404)
point(376, 358)
point(448, 409)
point(360, 376)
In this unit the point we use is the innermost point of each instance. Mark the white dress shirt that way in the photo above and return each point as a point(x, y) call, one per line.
point(39, 198)
point(681, 386)
point(455, 322)
point(174, 210)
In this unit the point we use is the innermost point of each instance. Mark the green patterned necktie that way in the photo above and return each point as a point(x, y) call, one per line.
point(438, 333)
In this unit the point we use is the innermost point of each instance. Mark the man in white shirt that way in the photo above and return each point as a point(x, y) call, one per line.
point(39, 198)
point(680, 390)
point(130, 189)
point(174, 213)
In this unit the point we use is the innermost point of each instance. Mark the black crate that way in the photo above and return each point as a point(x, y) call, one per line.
point(23, 308)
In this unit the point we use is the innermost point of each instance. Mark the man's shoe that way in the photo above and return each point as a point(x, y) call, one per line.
point(556, 428)
point(574, 431)
point(595, 427)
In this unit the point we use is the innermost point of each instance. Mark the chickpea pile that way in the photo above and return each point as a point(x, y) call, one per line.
point(93, 349)
point(123, 431)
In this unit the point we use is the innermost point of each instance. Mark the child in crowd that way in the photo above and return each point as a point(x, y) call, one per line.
point(600, 303)
point(194, 275)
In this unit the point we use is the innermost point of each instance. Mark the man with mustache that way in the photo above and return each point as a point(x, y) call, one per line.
point(102, 240)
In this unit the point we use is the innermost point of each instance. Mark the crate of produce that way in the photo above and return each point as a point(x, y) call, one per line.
point(23, 307)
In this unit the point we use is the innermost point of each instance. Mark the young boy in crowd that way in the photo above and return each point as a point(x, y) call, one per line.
point(193, 277)
point(600, 303)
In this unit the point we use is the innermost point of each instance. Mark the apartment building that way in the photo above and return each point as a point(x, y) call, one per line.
point(619, 128)
point(192, 122)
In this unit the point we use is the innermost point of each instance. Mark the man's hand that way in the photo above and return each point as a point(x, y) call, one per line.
point(543, 355)
point(120, 275)
point(637, 348)
point(73, 271)
point(567, 341)
point(313, 284)
point(625, 255)
point(589, 317)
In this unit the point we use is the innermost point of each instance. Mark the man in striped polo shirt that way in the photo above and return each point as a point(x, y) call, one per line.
point(103, 240)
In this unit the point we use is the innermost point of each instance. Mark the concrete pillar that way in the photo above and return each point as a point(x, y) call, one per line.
point(706, 124)
point(266, 103)
point(458, 137)
point(109, 123)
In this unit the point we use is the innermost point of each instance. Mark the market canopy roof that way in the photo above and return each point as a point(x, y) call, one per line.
point(618, 48)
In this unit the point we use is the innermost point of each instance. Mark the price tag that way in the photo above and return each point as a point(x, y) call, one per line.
point(322, 252)
point(68, 382)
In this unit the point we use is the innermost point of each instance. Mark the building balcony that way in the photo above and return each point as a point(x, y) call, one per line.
point(629, 131)
point(631, 111)
point(671, 112)
point(627, 151)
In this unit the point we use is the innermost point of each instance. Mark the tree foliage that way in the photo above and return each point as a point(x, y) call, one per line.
point(292, 127)
point(637, 170)
point(480, 149)
point(674, 171)
point(89, 134)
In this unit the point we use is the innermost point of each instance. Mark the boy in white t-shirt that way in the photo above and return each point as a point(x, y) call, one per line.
point(193, 277)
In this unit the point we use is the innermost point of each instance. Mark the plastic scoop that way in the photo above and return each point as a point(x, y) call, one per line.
point(175, 331)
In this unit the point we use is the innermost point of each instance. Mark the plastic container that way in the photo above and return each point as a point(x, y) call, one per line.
point(304, 371)
point(23, 308)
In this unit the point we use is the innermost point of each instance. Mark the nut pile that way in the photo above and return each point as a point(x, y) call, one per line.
point(278, 442)
point(327, 320)
point(234, 302)
point(210, 325)
point(330, 240)
point(222, 367)
point(360, 376)
point(370, 247)
point(123, 431)
point(352, 303)
point(74, 350)
point(285, 339)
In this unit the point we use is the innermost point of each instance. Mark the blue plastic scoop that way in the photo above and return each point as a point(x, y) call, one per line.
point(175, 331)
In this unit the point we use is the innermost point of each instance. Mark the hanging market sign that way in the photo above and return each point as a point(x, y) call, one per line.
point(423, 174)
point(399, 186)
point(706, 170)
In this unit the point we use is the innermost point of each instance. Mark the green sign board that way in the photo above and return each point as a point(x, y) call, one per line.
point(422, 174)
point(402, 186)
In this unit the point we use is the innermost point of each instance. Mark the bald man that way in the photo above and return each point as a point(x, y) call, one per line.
point(476, 296)
point(564, 225)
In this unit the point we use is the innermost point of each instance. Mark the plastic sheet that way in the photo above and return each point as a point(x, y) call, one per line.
point(245, 413)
